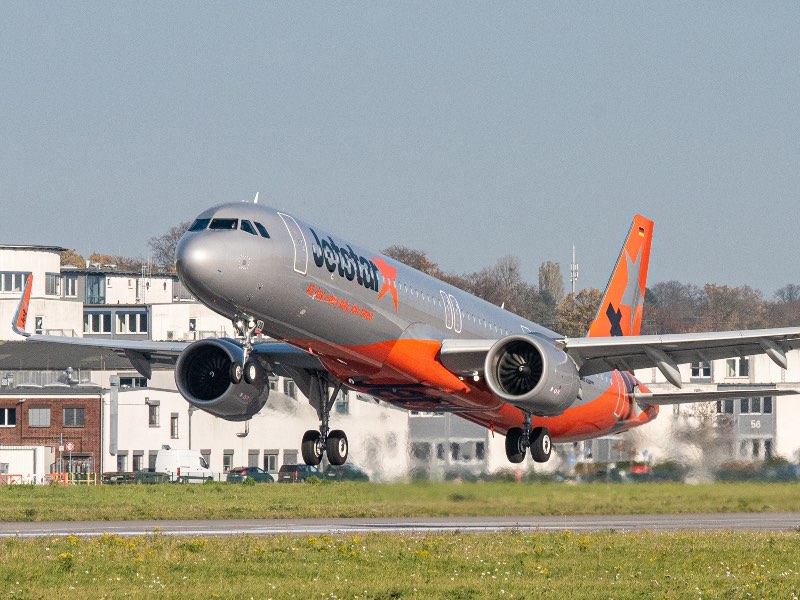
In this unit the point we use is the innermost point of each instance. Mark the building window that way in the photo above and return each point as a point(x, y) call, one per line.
point(52, 284)
point(8, 417)
point(701, 370)
point(270, 461)
point(39, 417)
point(153, 415)
point(131, 322)
point(480, 450)
point(421, 451)
point(756, 448)
point(71, 286)
point(173, 426)
point(122, 463)
point(252, 458)
point(439, 451)
point(744, 406)
point(12, 282)
point(755, 406)
point(767, 449)
point(133, 382)
point(767, 405)
point(455, 451)
point(138, 459)
point(95, 289)
point(227, 460)
point(289, 388)
point(152, 455)
point(725, 406)
point(343, 403)
point(74, 417)
point(737, 367)
point(97, 322)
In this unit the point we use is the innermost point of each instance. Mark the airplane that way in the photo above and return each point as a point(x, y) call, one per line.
point(340, 316)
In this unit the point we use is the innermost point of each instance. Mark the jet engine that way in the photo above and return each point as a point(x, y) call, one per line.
point(204, 375)
point(532, 374)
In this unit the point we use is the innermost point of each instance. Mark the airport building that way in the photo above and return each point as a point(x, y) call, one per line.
point(48, 399)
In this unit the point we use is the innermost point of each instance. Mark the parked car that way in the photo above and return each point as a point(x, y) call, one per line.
point(242, 474)
point(345, 472)
point(297, 473)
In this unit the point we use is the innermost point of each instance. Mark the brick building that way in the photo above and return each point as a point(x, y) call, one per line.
point(53, 417)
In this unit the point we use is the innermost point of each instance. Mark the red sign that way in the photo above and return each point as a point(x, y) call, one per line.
point(69, 446)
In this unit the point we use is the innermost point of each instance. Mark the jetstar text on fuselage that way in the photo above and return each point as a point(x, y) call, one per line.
point(346, 261)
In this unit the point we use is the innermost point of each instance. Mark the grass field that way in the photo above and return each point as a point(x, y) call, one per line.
point(324, 499)
point(509, 565)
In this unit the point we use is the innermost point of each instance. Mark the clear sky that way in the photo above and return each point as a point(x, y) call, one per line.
point(468, 130)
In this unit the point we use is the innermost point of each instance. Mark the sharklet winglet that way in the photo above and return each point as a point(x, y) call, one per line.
point(21, 315)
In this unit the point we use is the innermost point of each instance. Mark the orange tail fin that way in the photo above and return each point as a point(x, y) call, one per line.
point(620, 312)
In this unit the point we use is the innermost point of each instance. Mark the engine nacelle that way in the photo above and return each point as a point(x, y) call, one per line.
point(532, 374)
point(203, 375)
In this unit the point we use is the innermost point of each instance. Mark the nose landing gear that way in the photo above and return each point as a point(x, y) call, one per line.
point(249, 369)
point(519, 439)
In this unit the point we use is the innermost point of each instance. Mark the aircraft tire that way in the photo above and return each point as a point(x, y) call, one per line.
point(541, 444)
point(311, 449)
point(252, 373)
point(237, 372)
point(515, 451)
point(337, 447)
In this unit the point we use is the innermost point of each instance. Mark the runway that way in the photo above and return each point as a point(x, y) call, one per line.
point(418, 525)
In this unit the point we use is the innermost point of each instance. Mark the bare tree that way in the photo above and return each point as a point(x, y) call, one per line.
point(788, 293)
point(416, 259)
point(163, 246)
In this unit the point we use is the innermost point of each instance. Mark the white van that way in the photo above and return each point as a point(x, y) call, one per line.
point(183, 465)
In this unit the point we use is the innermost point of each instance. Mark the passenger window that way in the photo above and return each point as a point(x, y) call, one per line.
point(262, 230)
point(248, 227)
point(199, 224)
point(224, 224)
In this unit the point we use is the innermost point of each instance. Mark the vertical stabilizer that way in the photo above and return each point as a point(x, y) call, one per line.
point(620, 312)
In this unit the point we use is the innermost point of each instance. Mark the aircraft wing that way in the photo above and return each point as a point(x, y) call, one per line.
point(601, 354)
point(662, 398)
point(144, 354)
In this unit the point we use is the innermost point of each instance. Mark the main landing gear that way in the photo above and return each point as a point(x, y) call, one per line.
point(332, 443)
point(519, 439)
point(249, 369)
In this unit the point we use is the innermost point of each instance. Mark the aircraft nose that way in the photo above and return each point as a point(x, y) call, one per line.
point(197, 263)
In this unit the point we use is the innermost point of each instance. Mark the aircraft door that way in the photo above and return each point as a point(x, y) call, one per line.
point(448, 310)
point(299, 241)
point(456, 314)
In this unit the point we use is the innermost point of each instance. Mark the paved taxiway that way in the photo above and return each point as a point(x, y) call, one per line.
point(697, 522)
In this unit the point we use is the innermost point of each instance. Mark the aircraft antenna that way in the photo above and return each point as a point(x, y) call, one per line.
point(573, 270)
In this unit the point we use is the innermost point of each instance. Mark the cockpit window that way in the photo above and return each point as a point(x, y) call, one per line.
point(248, 227)
point(224, 224)
point(262, 230)
point(199, 224)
